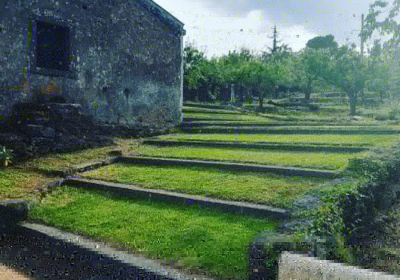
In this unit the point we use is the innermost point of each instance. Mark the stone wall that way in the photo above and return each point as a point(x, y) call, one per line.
point(300, 267)
point(126, 59)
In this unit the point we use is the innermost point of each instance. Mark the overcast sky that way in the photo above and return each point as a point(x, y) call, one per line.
point(217, 26)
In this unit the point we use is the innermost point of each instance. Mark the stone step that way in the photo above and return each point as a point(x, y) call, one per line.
point(161, 195)
point(266, 146)
point(223, 165)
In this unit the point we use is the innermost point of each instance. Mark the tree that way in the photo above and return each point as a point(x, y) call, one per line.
point(193, 61)
point(234, 65)
point(348, 72)
point(322, 42)
point(379, 70)
point(315, 60)
point(263, 78)
point(386, 26)
point(315, 64)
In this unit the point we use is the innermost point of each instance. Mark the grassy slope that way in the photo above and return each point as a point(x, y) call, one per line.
point(325, 161)
point(240, 186)
point(235, 117)
point(197, 239)
point(18, 184)
point(25, 179)
point(343, 140)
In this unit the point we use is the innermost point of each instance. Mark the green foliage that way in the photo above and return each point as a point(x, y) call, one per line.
point(314, 67)
point(388, 26)
point(322, 42)
point(6, 154)
point(349, 73)
point(350, 209)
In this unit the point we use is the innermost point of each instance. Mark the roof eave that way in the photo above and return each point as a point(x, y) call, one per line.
point(164, 15)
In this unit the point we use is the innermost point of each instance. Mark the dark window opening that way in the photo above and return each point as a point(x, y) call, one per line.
point(52, 46)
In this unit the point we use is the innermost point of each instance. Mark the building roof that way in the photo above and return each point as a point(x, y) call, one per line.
point(164, 15)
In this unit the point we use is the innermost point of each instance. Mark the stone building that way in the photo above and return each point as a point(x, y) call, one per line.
point(121, 60)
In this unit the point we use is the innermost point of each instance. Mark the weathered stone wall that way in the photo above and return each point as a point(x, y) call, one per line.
point(294, 266)
point(126, 60)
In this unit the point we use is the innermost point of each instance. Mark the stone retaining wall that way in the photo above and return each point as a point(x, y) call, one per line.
point(296, 267)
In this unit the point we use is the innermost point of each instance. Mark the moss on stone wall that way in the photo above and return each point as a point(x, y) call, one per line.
point(125, 58)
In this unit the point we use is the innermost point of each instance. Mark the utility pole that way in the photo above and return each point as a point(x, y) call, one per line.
point(362, 35)
point(362, 53)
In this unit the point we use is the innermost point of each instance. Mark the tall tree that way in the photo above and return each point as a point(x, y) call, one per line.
point(193, 61)
point(315, 59)
point(348, 72)
point(378, 70)
point(385, 26)
point(322, 42)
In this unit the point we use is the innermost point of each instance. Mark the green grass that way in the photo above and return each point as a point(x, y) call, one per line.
point(315, 129)
point(200, 240)
point(274, 123)
point(189, 109)
point(325, 161)
point(263, 188)
point(330, 140)
point(64, 161)
point(234, 117)
point(16, 183)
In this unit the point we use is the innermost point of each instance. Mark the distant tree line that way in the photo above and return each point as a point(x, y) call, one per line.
point(321, 65)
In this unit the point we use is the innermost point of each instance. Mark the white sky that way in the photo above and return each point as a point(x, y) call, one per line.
point(217, 26)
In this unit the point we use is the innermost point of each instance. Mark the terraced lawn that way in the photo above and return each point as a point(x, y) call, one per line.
point(290, 130)
point(324, 161)
point(199, 240)
point(267, 123)
point(17, 184)
point(263, 188)
point(329, 140)
point(188, 109)
point(227, 117)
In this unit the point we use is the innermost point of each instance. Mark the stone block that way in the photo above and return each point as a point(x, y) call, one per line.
point(39, 131)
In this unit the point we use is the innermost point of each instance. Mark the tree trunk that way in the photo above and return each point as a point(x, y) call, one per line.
point(363, 101)
point(353, 103)
point(275, 93)
point(261, 101)
point(308, 92)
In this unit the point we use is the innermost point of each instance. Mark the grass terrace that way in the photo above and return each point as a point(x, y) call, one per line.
point(225, 117)
point(188, 109)
point(329, 140)
point(16, 183)
point(296, 129)
point(199, 240)
point(64, 161)
point(324, 161)
point(262, 188)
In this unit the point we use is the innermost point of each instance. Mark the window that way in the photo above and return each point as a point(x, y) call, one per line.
point(53, 48)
